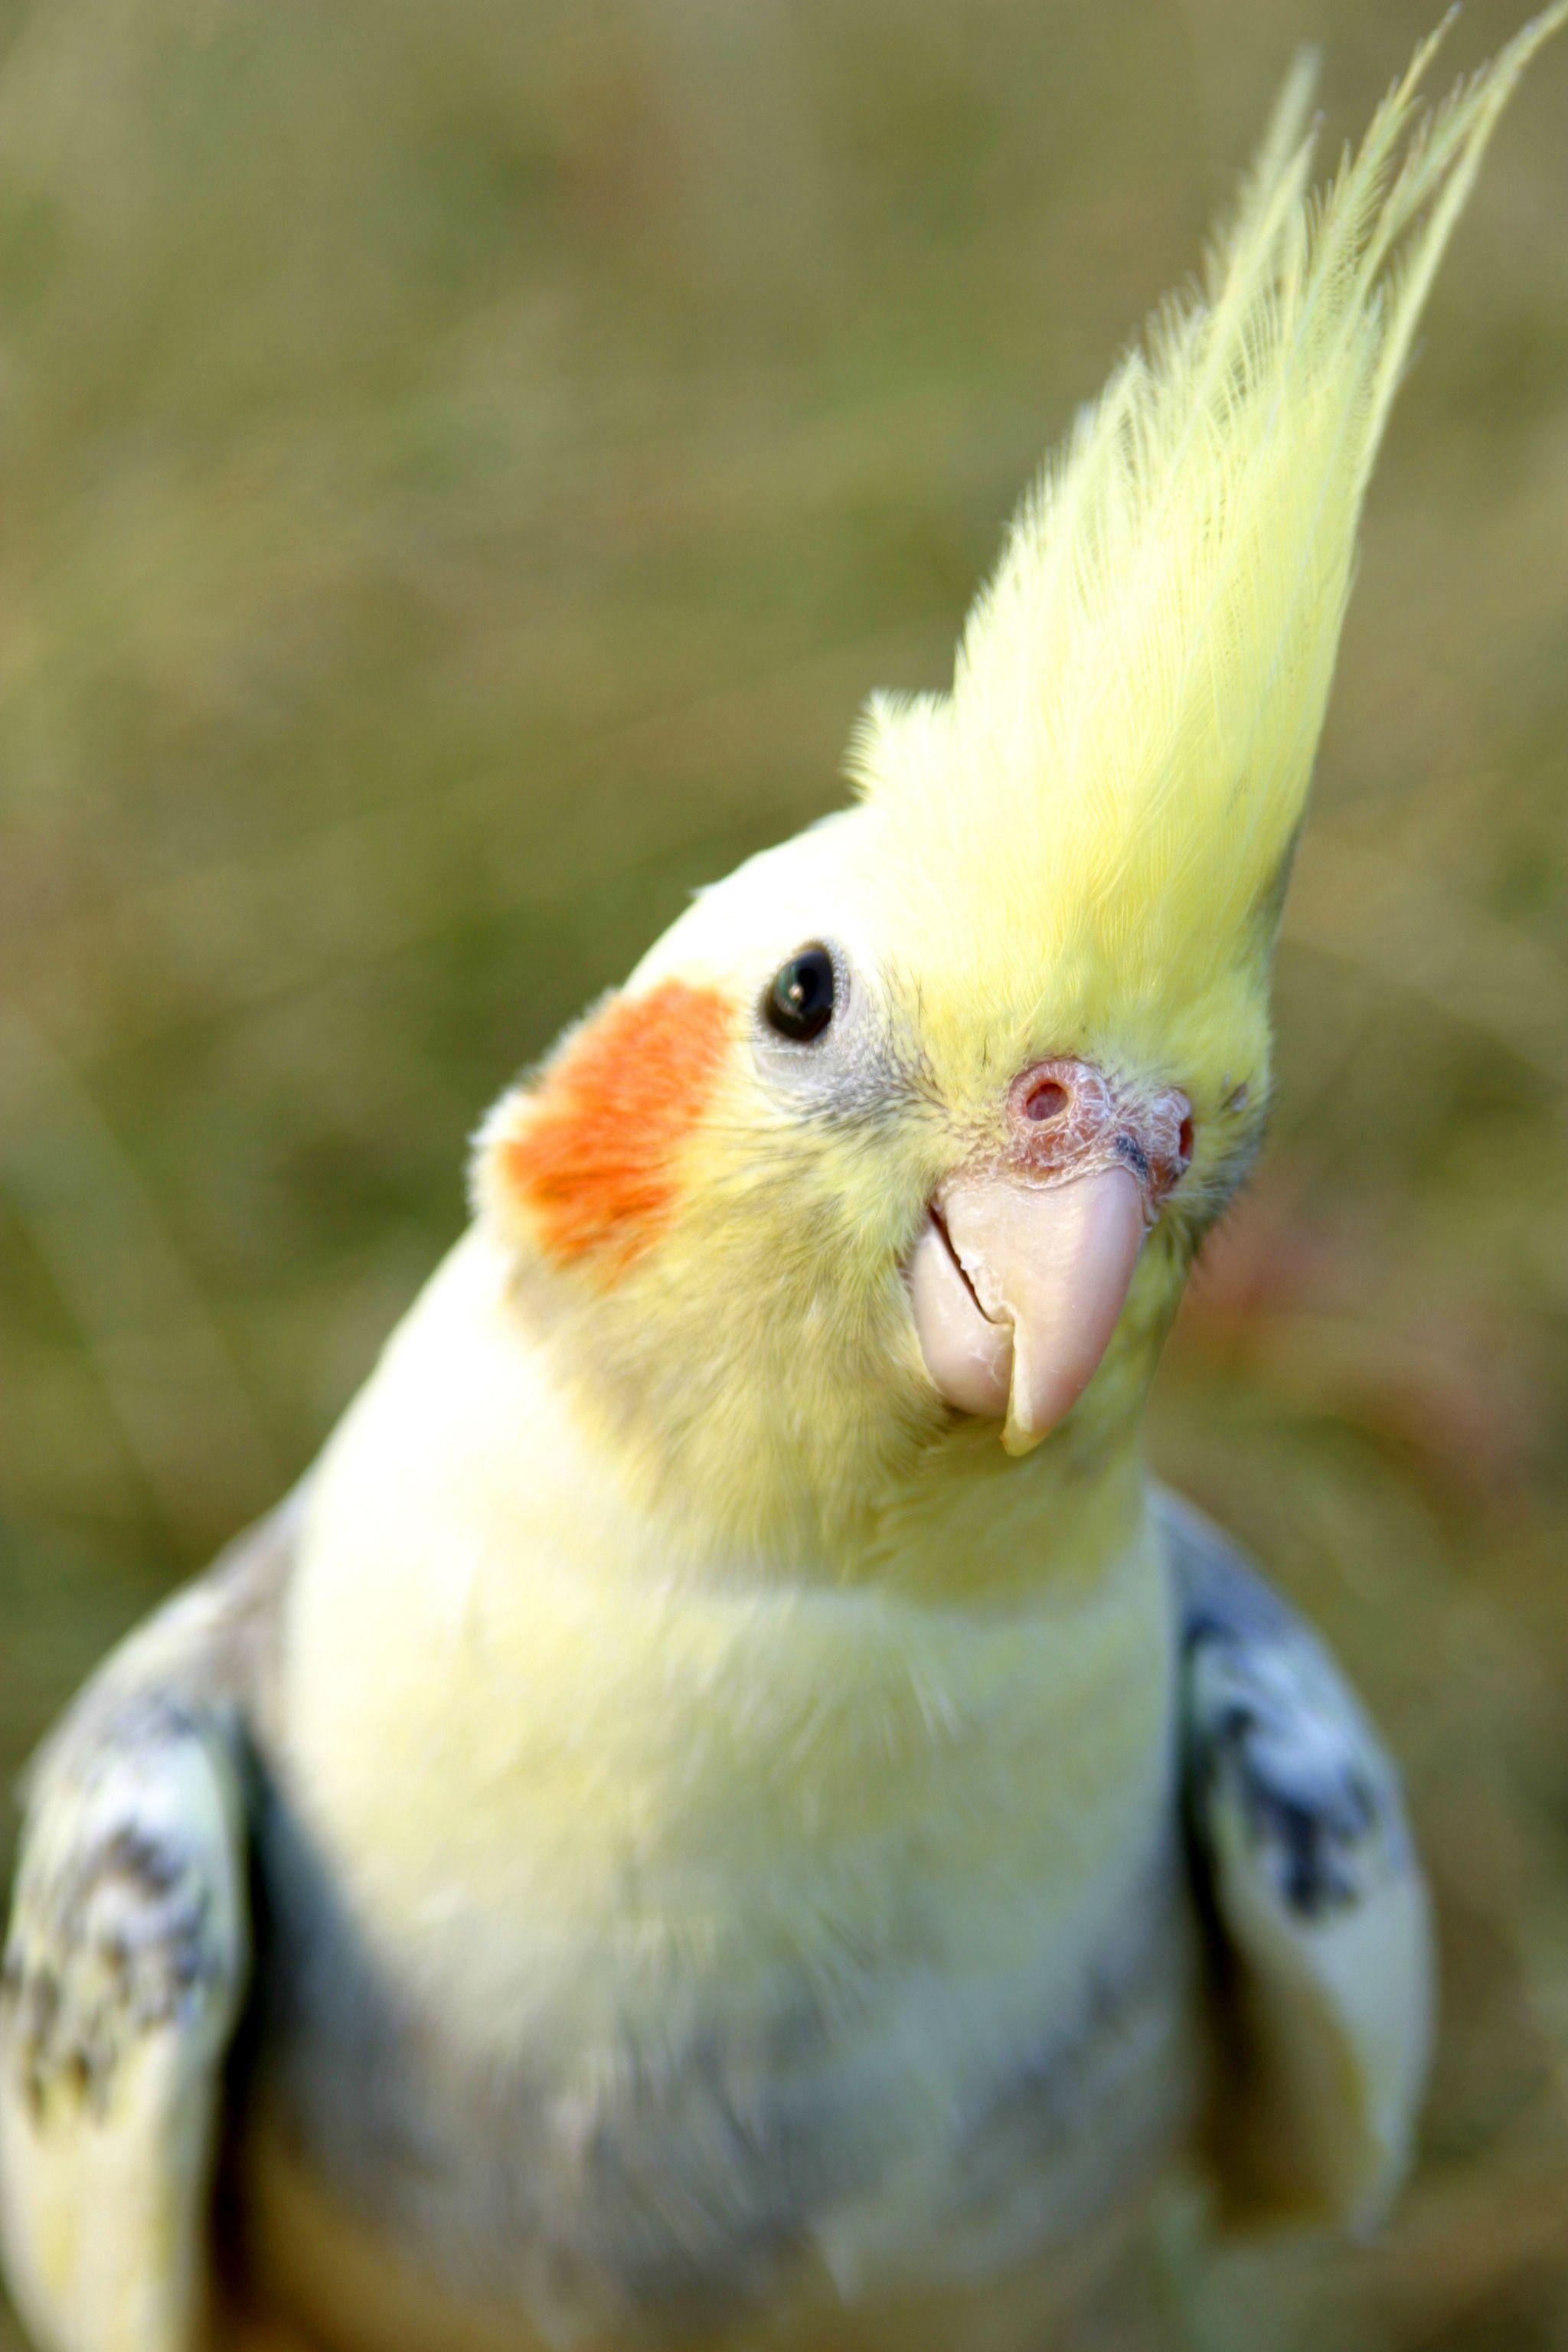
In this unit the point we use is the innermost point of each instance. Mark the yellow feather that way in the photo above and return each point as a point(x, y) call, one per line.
point(1120, 771)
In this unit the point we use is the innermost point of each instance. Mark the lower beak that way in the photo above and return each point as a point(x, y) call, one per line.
point(1017, 1288)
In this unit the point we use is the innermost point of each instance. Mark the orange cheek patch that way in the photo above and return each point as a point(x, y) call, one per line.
point(595, 1159)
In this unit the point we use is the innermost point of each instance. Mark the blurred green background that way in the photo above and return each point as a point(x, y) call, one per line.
point(461, 464)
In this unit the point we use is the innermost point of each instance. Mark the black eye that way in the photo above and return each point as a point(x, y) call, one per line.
point(799, 1003)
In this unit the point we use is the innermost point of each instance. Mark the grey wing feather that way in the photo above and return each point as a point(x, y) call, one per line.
point(1324, 1980)
point(125, 1970)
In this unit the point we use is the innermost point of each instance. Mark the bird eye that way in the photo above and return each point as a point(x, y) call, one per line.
point(800, 998)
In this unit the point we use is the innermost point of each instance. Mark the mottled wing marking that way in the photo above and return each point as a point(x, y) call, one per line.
point(1306, 1867)
point(1268, 1739)
point(125, 1969)
point(116, 1929)
point(592, 1153)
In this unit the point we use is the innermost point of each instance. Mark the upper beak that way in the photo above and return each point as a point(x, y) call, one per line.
point(1018, 1286)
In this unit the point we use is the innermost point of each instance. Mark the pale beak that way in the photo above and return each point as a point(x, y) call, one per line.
point(1018, 1286)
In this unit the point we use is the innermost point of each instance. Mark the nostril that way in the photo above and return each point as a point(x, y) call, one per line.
point(1184, 1142)
point(1046, 1101)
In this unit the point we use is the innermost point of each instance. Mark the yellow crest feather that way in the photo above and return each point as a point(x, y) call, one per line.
point(1140, 689)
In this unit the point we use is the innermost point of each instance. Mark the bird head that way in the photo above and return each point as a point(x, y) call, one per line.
point(906, 1135)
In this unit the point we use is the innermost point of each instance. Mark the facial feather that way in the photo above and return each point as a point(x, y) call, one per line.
point(591, 1155)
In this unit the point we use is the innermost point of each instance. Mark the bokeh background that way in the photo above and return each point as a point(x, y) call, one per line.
point(461, 464)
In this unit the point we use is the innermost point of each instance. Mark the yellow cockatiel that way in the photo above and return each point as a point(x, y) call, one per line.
point(727, 1811)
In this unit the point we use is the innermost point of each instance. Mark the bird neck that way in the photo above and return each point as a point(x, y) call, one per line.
point(465, 1425)
point(972, 1524)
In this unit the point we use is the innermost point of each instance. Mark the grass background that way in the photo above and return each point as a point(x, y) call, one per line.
point(461, 464)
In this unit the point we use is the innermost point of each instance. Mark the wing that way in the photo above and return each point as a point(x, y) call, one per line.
point(124, 1974)
point(1323, 1943)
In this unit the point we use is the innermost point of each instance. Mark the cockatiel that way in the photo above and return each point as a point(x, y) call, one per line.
point(727, 1809)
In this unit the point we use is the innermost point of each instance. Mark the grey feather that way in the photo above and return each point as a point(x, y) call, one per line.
point(1305, 1867)
point(126, 1966)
